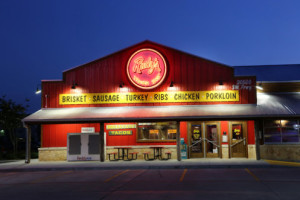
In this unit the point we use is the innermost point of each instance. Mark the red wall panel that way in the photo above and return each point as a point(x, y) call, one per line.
point(224, 128)
point(251, 132)
point(55, 135)
point(183, 131)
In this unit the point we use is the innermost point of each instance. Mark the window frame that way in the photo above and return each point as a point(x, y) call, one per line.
point(281, 132)
point(156, 140)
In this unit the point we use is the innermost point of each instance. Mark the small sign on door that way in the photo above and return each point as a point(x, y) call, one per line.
point(87, 129)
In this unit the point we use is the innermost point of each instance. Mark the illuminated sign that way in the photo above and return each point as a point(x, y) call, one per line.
point(121, 126)
point(172, 131)
point(120, 133)
point(146, 69)
point(154, 131)
point(150, 97)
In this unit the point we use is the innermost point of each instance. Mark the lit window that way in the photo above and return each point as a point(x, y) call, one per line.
point(157, 131)
point(281, 131)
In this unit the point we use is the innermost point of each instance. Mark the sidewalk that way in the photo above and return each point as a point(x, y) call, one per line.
point(35, 165)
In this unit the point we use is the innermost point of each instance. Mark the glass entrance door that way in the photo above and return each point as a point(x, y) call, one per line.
point(238, 139)
point(212, 140)
point(196, 141)
point(204, 140)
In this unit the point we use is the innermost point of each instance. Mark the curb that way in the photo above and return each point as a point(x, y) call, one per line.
point(36, 169)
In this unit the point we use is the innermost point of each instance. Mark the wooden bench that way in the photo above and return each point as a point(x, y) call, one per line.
point(133, 153)
point(112, 153)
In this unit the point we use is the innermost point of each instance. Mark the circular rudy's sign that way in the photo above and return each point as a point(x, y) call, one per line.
point(146, 69)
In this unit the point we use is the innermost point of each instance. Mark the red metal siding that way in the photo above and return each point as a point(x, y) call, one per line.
point(183, 131)
point(55, 135)
point(251, 132)
point(224, 128)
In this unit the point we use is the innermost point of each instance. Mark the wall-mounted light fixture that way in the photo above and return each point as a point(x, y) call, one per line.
point(221, 82)
point(73, 87)
point(172, 84)
point(121, 84)
point(259, 86)
point(38, 90)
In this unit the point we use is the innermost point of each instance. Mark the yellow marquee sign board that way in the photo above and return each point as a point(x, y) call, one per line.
point(150, 97)
point(121, 126)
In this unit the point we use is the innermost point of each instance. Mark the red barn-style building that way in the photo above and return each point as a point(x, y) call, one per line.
point(149, 101)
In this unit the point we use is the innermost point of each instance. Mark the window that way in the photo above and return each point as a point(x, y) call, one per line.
point(157, 131)
point(281, 132)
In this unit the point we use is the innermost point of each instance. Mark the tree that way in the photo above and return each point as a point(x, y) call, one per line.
point(11, 115)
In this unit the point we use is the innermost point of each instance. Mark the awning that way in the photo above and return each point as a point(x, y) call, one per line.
point(268, 105)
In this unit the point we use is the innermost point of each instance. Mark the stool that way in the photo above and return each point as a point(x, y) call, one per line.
point(133, 153)
point(168, 154)
point(146, 155)
point(112, 153)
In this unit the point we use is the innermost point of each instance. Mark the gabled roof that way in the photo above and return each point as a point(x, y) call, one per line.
point(145, 43)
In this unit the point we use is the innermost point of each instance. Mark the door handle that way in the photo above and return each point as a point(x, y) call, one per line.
point(243, 140)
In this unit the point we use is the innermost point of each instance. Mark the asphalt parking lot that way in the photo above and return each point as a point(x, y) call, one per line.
point(223, 183)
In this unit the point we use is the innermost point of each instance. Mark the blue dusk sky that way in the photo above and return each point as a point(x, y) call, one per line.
point(39, 39)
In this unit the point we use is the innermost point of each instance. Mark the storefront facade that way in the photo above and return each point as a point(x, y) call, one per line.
point(150, 95)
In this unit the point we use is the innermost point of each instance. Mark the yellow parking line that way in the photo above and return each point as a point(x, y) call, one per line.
point(49, 177)
point(276, 162)
point(253, 175)
point(116, 175)
point(183, 174)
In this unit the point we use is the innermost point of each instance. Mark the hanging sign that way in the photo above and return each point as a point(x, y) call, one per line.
point(146, 69)
point(150, 97)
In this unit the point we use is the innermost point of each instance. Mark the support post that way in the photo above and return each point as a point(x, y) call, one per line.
point(178, 141)
point(28, 144)
point(257, 138)
point(101, 142)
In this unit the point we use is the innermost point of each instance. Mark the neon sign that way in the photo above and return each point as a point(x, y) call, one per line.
point(146, 69)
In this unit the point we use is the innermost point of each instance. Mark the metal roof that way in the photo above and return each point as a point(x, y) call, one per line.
point(268, 105)
point(269, 72)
